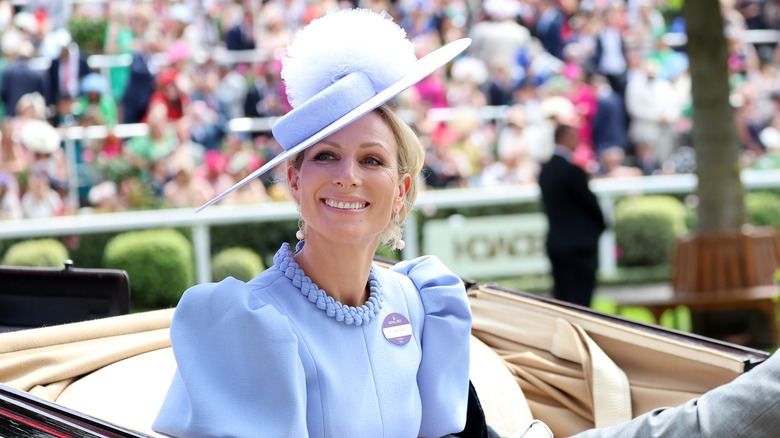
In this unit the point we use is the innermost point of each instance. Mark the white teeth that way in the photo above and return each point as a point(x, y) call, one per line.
point(345, 205)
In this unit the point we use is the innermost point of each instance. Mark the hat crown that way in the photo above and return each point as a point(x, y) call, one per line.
point(344, 42)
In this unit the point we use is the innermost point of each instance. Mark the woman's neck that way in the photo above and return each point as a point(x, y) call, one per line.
point(340, 270)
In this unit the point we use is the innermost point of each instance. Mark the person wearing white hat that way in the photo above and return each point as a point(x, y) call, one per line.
point(324, 342)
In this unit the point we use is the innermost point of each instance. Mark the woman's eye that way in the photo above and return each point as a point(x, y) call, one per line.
point(323, 156)
point(372, 161)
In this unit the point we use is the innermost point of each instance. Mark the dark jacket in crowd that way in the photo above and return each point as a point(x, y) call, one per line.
point(17, 80)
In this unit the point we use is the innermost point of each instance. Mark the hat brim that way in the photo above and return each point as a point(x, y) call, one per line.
point(421, 69)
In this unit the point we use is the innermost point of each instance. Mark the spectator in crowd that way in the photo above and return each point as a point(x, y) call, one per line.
point(613, 164)
point(57, 13)
point(68, 67)
point(10, 203)
point(232, 89)
point(645, 160)
point(30, 28)
point(431, 92)
point(187, 149)
point(499, 36)
point(264, 94)
point(501, 83)
point(169, 95)
point(143, 151)
point(240, 166)
point(580, 92)
point(241, 34)
point(549, 27)
point(41, 200)
point(48, 157)
point(179, 18)
point(213, 171)
point(14, 158)
point(119, 40)
point(469, 75)
point(205, 127)
point(654, 109)
point(610, 123)
point(276, 35)
point(609, 57)
point(141, 83)
point(18, 78)
point(443, 167)
point(515, 164)
point(103, 197)
point(185, 189)
point(96, 106)
point(471, 142)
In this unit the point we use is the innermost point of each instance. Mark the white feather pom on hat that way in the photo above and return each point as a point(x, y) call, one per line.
point(344, 42)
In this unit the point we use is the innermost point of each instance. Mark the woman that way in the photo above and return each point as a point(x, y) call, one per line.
point(324, 343)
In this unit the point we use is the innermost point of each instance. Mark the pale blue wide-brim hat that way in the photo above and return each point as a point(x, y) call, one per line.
point(339, 68)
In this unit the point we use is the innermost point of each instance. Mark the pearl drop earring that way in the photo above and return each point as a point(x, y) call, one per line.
point(399, 244)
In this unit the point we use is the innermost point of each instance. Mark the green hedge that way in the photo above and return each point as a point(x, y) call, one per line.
point(42, 253)
point(646, 229)
point(763, 208)
point(88, 33)
point(240, 263)
point(159, 263)
point(262, 238)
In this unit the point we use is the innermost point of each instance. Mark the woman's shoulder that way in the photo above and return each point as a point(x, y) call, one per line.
point(228, 293)
point(425, 271)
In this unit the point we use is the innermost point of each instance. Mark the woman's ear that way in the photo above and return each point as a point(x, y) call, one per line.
point(404, 183)
point(293, 180)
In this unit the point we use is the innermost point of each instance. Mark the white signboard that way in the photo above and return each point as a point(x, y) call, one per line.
point(492, 246)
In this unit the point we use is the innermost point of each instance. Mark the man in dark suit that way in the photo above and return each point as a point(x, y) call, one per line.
point(18, 78)
point(141, 84)
point(65, 74)
point(610, 124)
point(240, 36)
point(575, 222)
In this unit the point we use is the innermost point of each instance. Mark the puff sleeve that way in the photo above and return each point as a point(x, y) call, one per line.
point(443, 376)
point(239, 373)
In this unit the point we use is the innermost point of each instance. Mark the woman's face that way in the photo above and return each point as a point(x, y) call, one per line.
point(348, 185)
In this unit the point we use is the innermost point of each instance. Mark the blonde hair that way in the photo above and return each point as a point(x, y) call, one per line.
point(411, 155)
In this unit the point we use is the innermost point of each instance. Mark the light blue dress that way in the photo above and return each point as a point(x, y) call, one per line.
point(277, 357)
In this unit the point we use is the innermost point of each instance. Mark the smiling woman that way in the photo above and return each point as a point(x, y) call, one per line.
point(325, 342)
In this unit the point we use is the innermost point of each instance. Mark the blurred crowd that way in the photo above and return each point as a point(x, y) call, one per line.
point(616, 69)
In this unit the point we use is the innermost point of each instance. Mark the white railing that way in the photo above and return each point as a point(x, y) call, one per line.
point(607, 190)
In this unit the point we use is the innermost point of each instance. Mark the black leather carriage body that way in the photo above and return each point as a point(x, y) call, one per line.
point(35, 297)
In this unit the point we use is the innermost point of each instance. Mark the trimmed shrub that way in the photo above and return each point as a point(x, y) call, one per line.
point(240, 263)
point(262, 238)
point(88, 33)
point(87, 250)
point(41, 253)
point(159, 263)
point(646, 229)
point(763, 208)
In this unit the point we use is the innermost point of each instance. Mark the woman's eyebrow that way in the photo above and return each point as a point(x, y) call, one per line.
point(365, 145)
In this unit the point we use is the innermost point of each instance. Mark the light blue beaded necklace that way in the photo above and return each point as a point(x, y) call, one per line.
point(348, 315)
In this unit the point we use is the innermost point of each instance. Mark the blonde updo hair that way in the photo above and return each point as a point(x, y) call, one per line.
point(411, 155)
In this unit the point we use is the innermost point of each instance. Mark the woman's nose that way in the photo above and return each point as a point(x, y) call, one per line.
point(347, 174)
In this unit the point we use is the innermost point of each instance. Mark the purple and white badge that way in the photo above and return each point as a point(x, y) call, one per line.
point(397, 329)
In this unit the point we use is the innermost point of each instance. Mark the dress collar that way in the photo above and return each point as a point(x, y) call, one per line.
point(344, 314)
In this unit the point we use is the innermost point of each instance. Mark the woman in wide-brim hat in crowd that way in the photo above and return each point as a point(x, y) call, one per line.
point(324, 342)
